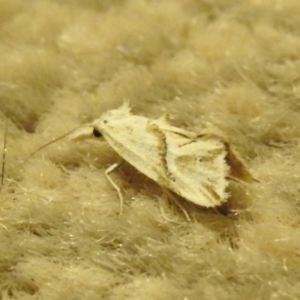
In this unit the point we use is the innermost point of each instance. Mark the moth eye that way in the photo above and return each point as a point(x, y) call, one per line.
point(96, 133)
point(105, 121)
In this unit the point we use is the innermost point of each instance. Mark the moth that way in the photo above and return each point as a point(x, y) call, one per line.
point(195, 166)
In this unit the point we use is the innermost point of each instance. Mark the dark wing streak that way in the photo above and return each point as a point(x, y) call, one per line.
point(203, 136)
point(154, 128)
point(238, 171)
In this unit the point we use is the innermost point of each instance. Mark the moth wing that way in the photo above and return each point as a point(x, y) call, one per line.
point(163, 123)
point(132, 139)
point(198, 168)
point(238, 170)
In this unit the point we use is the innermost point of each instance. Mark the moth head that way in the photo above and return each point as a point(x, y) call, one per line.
point(86, 132)
point(98, 126)
point(123, 111)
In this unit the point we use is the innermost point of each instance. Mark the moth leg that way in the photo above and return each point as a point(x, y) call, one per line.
point(175, 200)
point(109, 170)
point(162, 211)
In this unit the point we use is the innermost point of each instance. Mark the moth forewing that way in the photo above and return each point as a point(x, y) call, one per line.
point(138, 147)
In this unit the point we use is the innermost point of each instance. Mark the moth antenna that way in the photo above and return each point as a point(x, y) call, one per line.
point(49, 143)
point(4, 155)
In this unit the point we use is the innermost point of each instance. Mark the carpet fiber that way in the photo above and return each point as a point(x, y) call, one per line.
point(228, 64)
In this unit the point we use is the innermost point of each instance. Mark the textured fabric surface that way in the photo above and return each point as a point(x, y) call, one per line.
point(228, 64)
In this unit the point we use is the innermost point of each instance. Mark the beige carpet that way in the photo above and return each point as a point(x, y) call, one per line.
point(230, 64)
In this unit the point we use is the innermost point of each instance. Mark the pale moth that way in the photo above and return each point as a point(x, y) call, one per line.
point(194, 166)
